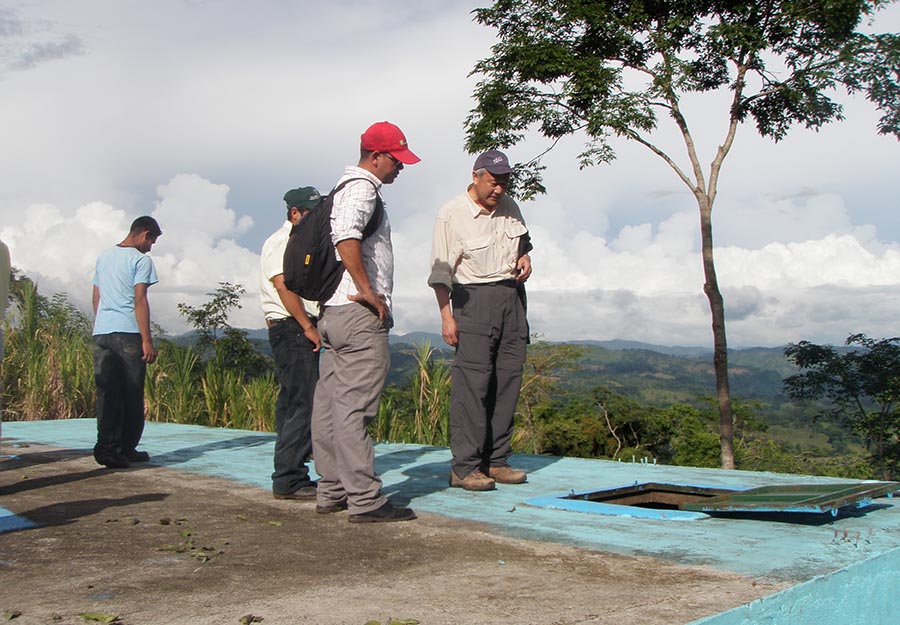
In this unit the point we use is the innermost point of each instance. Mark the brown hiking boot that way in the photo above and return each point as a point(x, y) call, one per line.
point(507, 475)
point(476, 480)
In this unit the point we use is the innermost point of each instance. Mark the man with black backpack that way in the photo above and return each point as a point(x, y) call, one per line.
point(354, 330)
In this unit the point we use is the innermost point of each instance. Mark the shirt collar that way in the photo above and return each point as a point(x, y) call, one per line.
point(359, 172)
point(475, 209)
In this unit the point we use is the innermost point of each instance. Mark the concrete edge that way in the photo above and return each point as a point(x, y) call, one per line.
point(864, 592)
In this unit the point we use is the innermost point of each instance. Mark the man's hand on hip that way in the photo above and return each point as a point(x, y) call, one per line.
point(376, 300)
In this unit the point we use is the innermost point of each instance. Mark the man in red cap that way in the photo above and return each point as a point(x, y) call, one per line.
point(354, 331)
point(480, 261)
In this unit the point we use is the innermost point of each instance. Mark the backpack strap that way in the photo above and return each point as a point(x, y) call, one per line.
point(377, 215)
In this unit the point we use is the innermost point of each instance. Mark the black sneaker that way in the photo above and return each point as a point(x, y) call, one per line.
point(304, 493)
point(133, 455)
point(388, 513)
point(113, 460)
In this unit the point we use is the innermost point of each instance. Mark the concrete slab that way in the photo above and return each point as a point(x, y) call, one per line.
point(795, 550)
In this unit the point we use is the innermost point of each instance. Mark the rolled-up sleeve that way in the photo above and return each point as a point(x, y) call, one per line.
point(441, 262)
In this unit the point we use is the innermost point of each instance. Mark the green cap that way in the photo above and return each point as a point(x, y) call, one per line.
point(305, 197)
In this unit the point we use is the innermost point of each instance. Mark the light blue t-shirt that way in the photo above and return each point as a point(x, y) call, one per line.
point(118, 270)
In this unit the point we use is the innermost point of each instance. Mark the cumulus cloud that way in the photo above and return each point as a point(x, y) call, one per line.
point(58, 246)
point(644, 284)
point(206, 128)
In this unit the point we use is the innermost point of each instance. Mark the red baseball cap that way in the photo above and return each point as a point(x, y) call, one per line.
point(386, 137)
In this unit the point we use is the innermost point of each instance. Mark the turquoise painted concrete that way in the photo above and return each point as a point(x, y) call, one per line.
point(798, 550)
point(861, 594)
point(10, 522)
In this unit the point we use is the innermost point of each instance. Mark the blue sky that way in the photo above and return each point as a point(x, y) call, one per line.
point(203, 113)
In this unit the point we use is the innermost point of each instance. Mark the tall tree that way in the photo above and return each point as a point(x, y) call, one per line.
point(862, 387)
point(606, 69)
point(212, 317)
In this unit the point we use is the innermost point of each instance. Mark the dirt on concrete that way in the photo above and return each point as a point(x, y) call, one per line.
point(159, 546)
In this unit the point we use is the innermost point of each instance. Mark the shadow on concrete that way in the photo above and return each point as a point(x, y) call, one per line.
point(44, 457)
point(433, 477)
point(51, 480)
point(422, 479)
point(186, 454)
point(66, 512)
point(531, 463)
point(401, 458)
point(811, 519)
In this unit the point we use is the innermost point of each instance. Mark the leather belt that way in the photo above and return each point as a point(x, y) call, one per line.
point(507, 283)
point(274, 322)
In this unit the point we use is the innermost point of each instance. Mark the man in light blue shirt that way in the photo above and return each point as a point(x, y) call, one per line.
point(122, 343)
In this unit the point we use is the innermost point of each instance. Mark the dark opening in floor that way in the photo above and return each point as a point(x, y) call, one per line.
point(653, 495)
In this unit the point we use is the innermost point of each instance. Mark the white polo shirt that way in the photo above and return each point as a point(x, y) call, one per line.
point(271, 261)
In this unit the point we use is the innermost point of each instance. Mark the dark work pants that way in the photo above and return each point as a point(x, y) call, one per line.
point(119, 373)
point(298, 370)
point(486, 375)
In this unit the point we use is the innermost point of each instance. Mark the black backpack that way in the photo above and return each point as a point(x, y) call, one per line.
point(310, 267)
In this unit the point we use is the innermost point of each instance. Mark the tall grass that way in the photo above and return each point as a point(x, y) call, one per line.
point(48, 369)
point(258, 409)
point(431, 390)
point(48, 373)
point(420, 413)
point(170, 392)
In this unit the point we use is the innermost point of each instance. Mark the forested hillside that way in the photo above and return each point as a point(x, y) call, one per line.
point(648, 373)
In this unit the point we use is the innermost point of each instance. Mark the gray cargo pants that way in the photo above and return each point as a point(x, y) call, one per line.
point(352, 371)
point(486, 375)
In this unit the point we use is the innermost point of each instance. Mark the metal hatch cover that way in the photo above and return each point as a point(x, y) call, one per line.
point(815, 498)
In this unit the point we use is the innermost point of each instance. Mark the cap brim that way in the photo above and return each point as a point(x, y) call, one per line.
point(500, 170)
point(405, 156)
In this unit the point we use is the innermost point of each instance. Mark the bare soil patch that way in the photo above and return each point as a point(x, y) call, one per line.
point(159, 546)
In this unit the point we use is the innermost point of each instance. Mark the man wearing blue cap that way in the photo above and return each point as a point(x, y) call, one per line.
point(480, 262)
point(295, 348)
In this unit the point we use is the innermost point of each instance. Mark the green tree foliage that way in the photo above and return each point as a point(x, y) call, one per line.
point(545, 365)
point(862, 386)
point(231, 348)
point(212, 317)
point(608, 69)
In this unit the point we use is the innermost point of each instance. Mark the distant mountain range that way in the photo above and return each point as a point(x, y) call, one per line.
point(653, 374)
point(656, 374)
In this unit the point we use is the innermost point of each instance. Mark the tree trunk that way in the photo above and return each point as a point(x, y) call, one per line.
point(720, 343)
